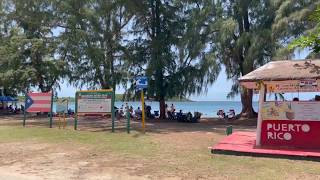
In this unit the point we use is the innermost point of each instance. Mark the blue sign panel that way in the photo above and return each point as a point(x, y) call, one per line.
point(141, 82)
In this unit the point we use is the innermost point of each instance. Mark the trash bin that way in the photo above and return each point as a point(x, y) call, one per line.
point(229, 130)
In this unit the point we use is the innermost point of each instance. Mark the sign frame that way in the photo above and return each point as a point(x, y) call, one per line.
point(102, 91)
point(141, 86)
point(26, 109)
point(63, 102)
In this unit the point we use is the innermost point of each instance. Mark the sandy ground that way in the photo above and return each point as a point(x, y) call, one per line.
point(44, 161)
point(34, 160)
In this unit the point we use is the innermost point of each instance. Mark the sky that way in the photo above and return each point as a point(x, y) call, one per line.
point(216, 92)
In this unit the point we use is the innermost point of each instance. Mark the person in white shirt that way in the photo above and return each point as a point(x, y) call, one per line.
point(173, 109)
point(166, 110)
point(138, 113)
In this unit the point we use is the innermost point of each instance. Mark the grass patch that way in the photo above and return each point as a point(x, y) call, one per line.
point(199, 162)
point(161, 158)
point(134, 143)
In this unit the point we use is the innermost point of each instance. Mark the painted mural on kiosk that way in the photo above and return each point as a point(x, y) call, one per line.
point(291, 110)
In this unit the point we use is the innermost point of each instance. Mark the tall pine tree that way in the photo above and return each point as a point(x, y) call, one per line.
point(94, 43)
point(29, 52)
point(175, 40)
point(242, 41)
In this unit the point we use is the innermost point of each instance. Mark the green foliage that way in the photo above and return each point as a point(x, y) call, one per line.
point(248, 34)
point(28, 53)
point(312, 39)
point(93, 41)
point(175, 40)
point(178, 44)
point(292, 20)
point(242, 40)
point(101, 44)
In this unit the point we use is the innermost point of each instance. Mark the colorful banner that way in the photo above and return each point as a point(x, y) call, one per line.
point(291, 133)
point(38, 102)
point(94, 102)
point(295, 110)
point(306, 85)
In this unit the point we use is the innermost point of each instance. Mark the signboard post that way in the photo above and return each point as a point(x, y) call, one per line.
point(51, 110)
point(142, 83)
point(76, 113)
point(24, 111)
point(113, 115)
point(94, 102)
point(128, 121)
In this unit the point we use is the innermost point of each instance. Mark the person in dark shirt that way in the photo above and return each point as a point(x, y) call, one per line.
point(295, 99)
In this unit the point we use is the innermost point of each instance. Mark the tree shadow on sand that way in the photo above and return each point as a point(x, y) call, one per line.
point(103, 124)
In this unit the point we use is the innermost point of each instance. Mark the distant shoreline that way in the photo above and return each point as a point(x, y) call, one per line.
point(117, 99)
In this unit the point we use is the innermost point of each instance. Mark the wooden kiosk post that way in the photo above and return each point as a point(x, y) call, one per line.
point(259, 123)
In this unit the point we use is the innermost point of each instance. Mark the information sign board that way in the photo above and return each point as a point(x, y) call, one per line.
point(94, 102)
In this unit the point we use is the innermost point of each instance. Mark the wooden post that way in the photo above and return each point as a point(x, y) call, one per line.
point(51, 110)
point(59, 121)
point(65, 114)
point(76, 113)
point(259, 124)
point(64, 120)
point(24, 110)
point(128, 120)
point(113, 113)
point(142, 109)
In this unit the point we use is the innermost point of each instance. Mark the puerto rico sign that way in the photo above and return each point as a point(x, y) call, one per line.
point(291, 124)
point(291, 133)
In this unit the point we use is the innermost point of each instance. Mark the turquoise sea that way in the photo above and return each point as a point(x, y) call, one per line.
point(207, 108)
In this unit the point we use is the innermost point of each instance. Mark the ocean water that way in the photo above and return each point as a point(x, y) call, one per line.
point(207, 108)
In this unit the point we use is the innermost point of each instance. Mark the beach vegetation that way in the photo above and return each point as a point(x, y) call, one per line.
point(180, 45)
point(311, 39)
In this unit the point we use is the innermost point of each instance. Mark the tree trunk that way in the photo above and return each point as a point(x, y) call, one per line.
point(246, 100)
point(162, 103)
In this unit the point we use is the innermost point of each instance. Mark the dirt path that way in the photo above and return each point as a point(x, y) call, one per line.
point(48, 161)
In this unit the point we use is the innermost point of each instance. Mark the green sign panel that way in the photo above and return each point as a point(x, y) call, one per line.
point(89, 102)
point(95, 102)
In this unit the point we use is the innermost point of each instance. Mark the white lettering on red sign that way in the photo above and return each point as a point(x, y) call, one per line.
point(283, 131)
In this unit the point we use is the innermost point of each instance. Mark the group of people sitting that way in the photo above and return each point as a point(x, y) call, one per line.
point(316, 98)
point(229, 115)
point(170, 113)
point(126, 110)
point(180, 116)
point(15, 109)
point(188, 117)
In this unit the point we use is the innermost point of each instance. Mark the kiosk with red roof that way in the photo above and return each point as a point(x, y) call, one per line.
point(290, 128)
